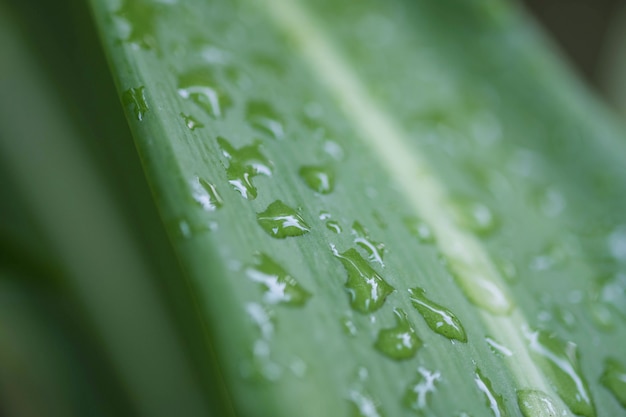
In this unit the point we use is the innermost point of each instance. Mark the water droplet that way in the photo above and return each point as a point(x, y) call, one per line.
point(279, 286)
point(324, 215)
point(245, 163)
point(552, 203)
point(135, 97)
point(534, 403)
point(438, 318)
point(493, 400)
point(206, 194)
point(507, 269)
point(565, 317)
point(281, 221)
point(363, 405)
point(184, 229)
point(614, 379)
point(399, 342)
point(379, 219)
point(473, 275)
point(141, 17)
point(191, 122)
point(416, 396)
point(551, 256)
point(348, 326)
point(319, 178)
point(498, 348)
point(601, 314)
point(334, 150)
point(262, 116)
point(366, 288)
point(200, 87)
point(477, 217)
point(298, 367)
point(611, 292)
point(333, 226)
point(261, 367)
point(561, 361)
point(419, 229)
point(375, 250)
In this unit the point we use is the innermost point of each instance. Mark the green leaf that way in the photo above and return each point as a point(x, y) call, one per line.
point(293, 145)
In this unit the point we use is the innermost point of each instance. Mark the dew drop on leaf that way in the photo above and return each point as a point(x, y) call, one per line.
point(281, 221)
point(324, 215)
point(206, 195)
point(375, 250)
point(245, 163)
point(474, 278)
point(419, 229)
point(507, 269)
point(141, 17)
point(614, 379)
point(334, 150)
point(333, 226)
point(135, 98)
point(278, 284)
point(191, 122)
point(262, 116)
point(477, 217)
point(399, 342)
point(319, 178)
point(200, 87)
point(348, 326)
point(494, 401)
point(533, 403)
point(363, 405)
point(261, 367)
point(560, 362)
point(417, 394)
point(497, 347)
point(438, 318)
point(367, 289)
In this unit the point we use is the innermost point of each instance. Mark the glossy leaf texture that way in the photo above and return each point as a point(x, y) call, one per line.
point(383, 208)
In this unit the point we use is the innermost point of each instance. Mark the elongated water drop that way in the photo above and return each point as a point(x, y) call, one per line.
point(191, 122)
point(363, 405)
point(279, 285)
point(477, 217)
point(281, 221)
point(614, 379)
point(135, 98)
point(333, 226)
point(560, 362)
point(438, 318)
point(498, 348)
point(366, 288)
point(319, 178)
point(419, 229)
point(533, 403)
point(141, 17)
point(475, 278)
point(507, 269)
point(245, 163)
point(200, 87)
point(206, 194)
point(417, 395)
point(375, 250)
point(261, 367)
point(262, 116)
point(398, 342)
point(493, 400)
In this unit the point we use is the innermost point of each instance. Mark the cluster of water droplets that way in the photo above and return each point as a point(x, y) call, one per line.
point(366, 288)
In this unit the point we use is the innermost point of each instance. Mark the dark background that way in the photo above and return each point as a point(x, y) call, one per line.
point(583, 30)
